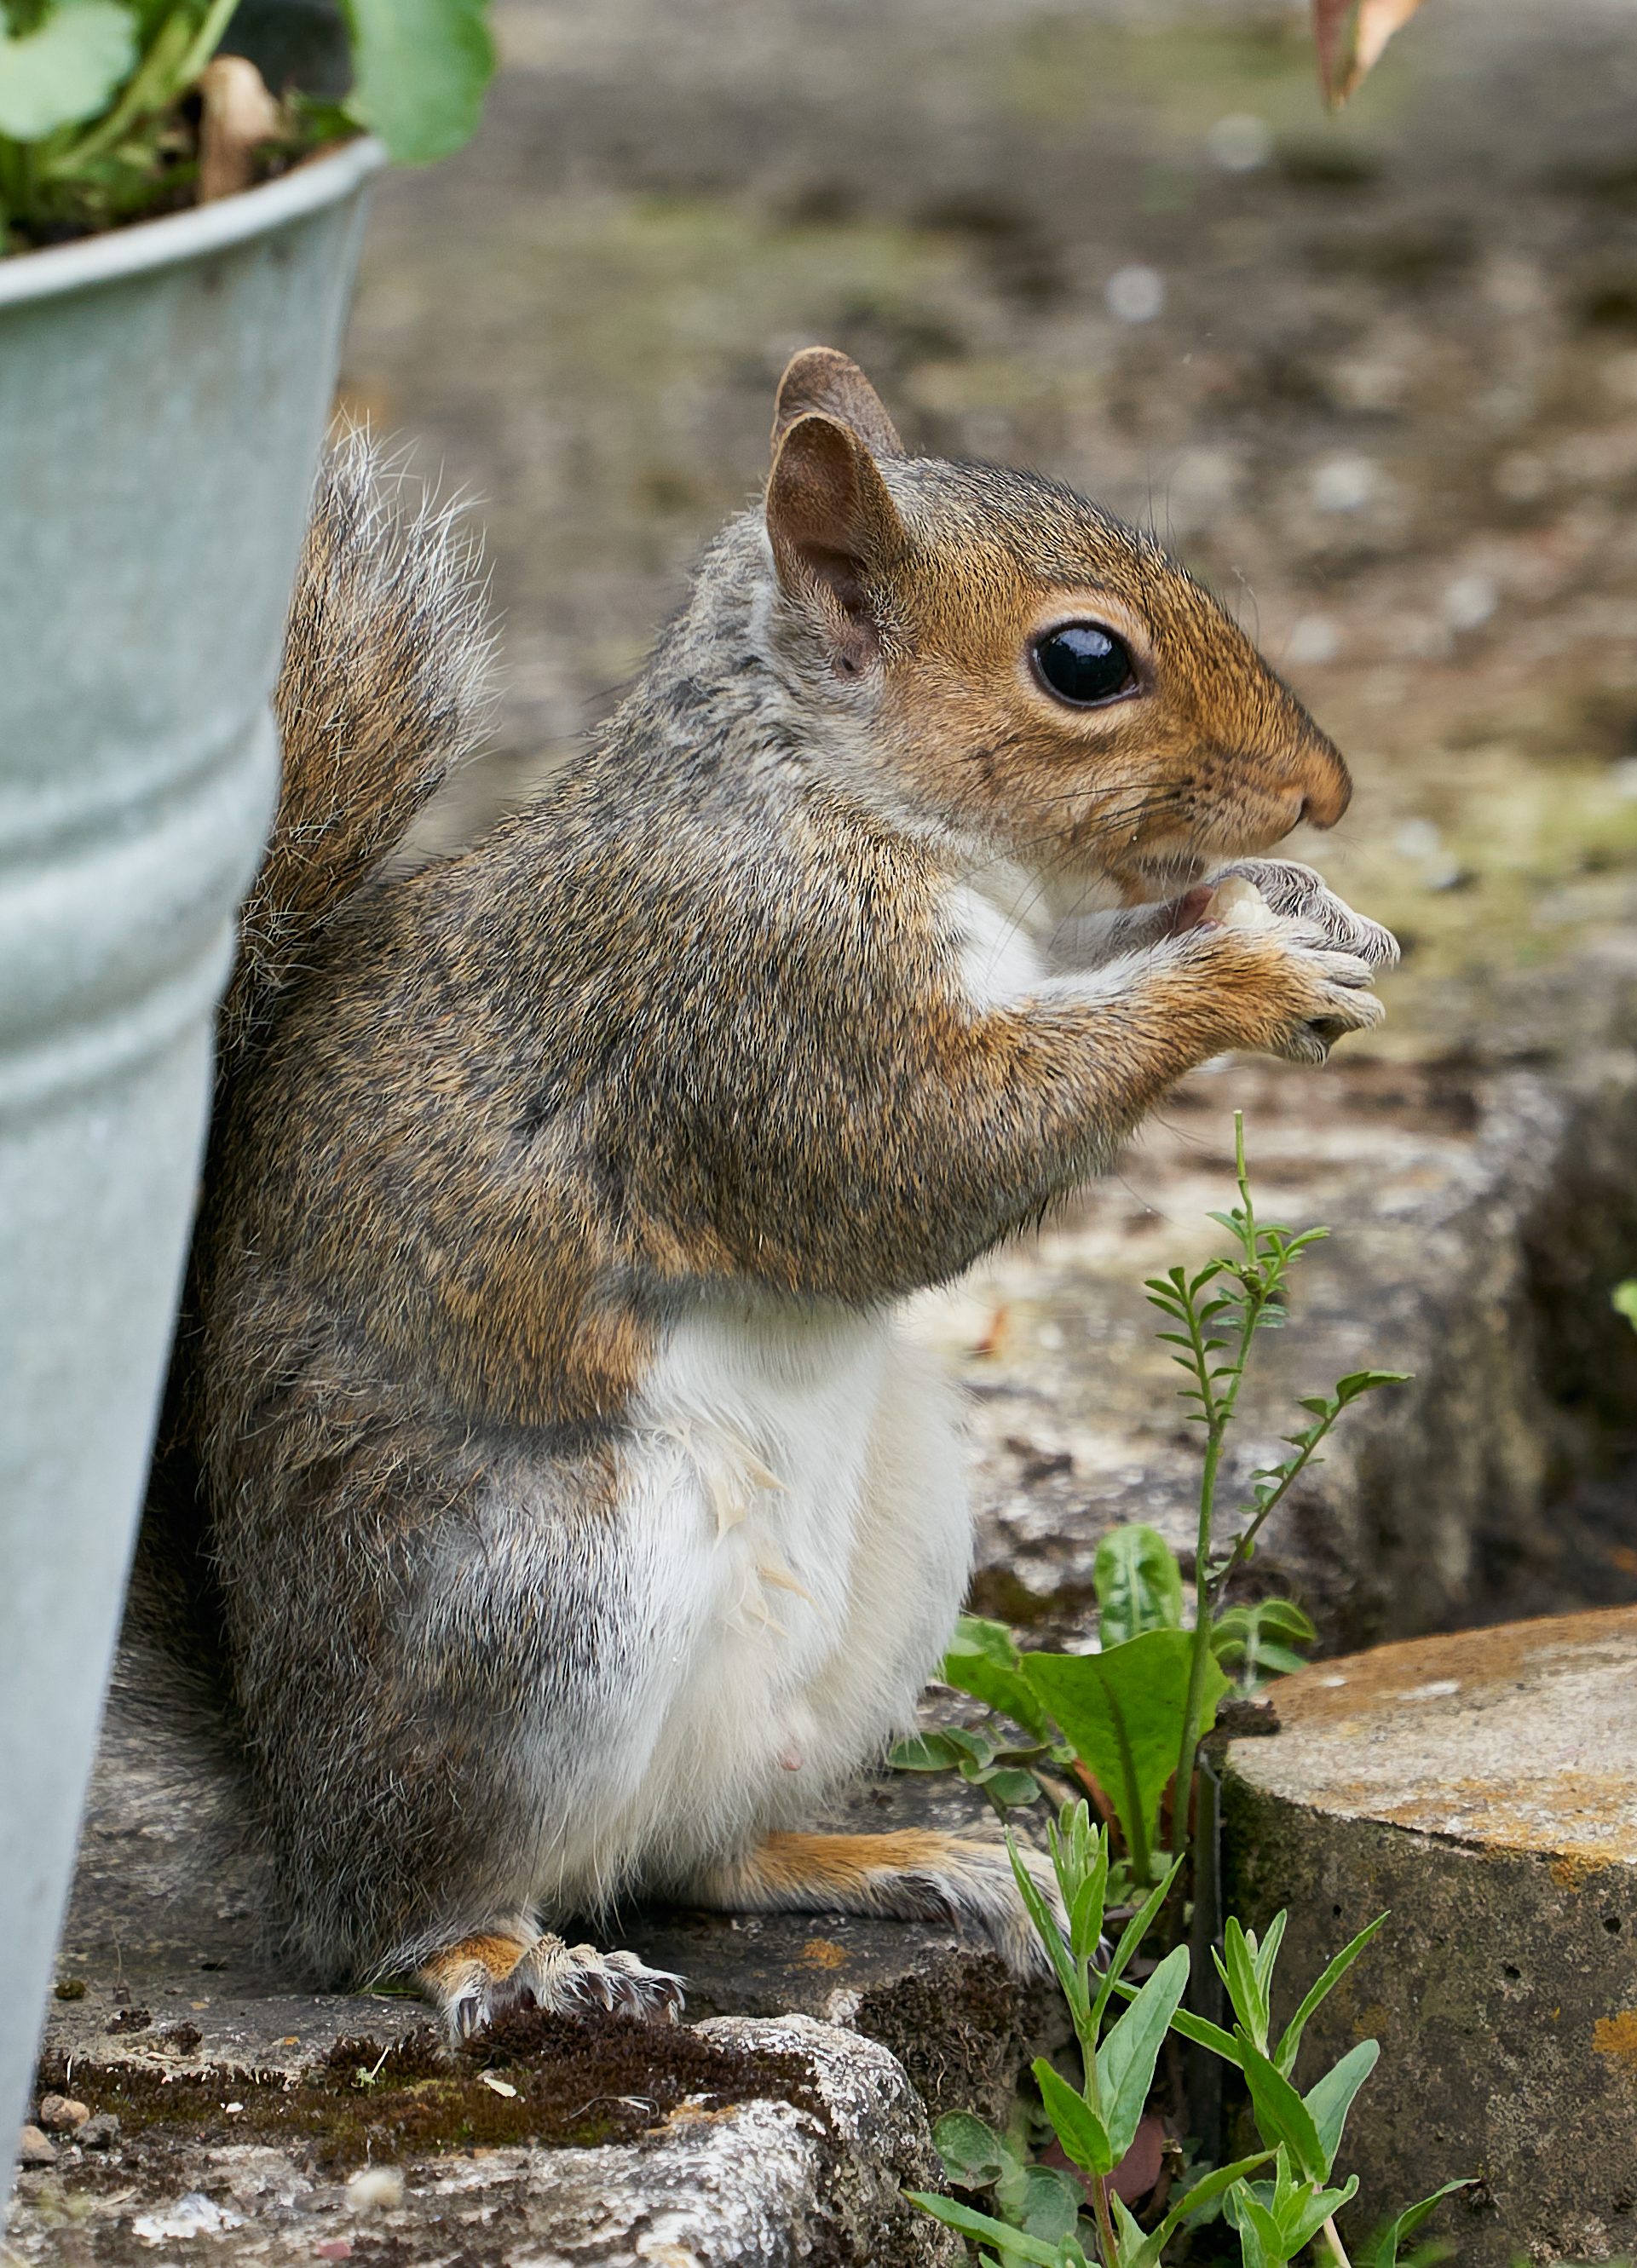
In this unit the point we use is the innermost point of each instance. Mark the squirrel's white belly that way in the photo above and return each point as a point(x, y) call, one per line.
point(794, 1541)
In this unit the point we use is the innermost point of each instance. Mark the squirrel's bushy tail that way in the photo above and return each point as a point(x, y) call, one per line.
point(384, 688)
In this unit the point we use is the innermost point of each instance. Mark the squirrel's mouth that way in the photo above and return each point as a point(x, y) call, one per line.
point(1172, 872)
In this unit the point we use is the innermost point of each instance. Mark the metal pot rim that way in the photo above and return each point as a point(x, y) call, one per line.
point(192, 235)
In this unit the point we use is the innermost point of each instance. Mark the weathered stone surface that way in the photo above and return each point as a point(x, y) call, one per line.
point(758, 2185)
point(1483, 1788)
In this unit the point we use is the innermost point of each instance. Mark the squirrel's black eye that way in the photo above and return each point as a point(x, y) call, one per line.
point(1084, 663)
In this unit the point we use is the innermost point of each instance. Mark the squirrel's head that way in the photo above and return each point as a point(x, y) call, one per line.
point(1016, 665)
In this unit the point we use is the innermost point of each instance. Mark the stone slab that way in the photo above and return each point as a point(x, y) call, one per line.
point(1482, 1788)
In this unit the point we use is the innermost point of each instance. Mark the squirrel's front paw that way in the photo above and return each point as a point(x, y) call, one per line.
point(1284, 990)
point(1297, 894)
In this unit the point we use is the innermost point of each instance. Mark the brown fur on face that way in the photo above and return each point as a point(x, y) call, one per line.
point(940, 576)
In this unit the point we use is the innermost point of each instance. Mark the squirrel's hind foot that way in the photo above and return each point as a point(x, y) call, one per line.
point(913, 1875)
point(480, 1978)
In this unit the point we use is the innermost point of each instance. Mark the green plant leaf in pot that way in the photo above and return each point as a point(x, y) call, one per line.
point(66, 70)
point(420, 68)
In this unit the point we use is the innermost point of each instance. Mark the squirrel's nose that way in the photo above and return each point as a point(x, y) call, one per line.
point(1324, 783)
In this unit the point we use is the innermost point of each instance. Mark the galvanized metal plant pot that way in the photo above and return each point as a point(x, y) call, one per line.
point(163, 396)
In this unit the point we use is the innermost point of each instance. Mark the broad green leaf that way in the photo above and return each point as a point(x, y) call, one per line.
point(983, 1660)
point(972, 2152)
point(1050, 2207)
point(1281, 2114)
point(1011, 2244)
point(1007, 1784)
point(1140, 1585)
point(67, 70)
point(420, 68)
point(1122, 1711)
point(1076, 2124)
point(1126, 2060)
point(1383, 2249)
point(1331, 2098)
point(927, 1752)
point(1330, 1977)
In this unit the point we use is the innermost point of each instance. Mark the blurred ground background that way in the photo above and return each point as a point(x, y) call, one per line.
point(1375, 377)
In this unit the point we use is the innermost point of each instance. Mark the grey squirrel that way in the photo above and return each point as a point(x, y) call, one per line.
point(571, 1517)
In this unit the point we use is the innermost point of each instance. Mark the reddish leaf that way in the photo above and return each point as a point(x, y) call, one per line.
point(1350, 36)
point(1137, 2170)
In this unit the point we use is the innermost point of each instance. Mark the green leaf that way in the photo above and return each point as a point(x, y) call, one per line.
point(1281, 2114)
point(972, 2152)
point(1132, 1936)
point(1196, 2028)
point(1381, 2251)
point(420, 68)
point(1260, 2242)
point(65, 72)
point(1238, 1971)
point(1331, 2098)
point(1204, 2191)
point(927, 1752)
point(1306, 2212)
point(1012, 2243)
point(1330, 1977)
point(1076, 2124)
point(1126, 2060)
point(1140, 1585)
point(1623, 1299)
point(1047, 1930)
point(1267, 1954)
point(1122, 1711)
point(983, 1660)
point(1366, 1381)
point(1007, 1784)
point(1050, 2204)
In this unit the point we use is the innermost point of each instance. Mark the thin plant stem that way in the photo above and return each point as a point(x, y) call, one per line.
point(1335, 2244)
point(1107, 2240)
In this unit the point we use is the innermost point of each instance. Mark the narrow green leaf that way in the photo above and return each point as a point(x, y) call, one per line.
point(1366, 1381)
point(1267, 1954)
point(1331, 2098)
point(420, 68)
point(1076, 2124)
point(1126, 2060)
point(1381, 2251)
point(1307, 2214)
point(1204, 2191)
point(1047, 1930)
point(1237, 1969)
point(1013, 2243)
point(1203, 2035)
point(1326, 1984)
point(1132, 1937)
point(1259, 2240)
point(1281, 2114)
point(67, 69)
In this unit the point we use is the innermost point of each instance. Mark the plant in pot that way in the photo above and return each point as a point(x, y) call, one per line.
point(178, 232)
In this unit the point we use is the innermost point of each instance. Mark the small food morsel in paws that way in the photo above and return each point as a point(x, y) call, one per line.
point(1237, 903)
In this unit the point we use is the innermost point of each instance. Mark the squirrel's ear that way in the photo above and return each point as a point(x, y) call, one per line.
point(830, 521)
point(820, 379)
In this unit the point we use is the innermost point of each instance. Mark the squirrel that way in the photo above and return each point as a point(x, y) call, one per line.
point(566, 1514)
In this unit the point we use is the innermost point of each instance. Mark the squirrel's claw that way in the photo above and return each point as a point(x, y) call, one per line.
point(473, 1987)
